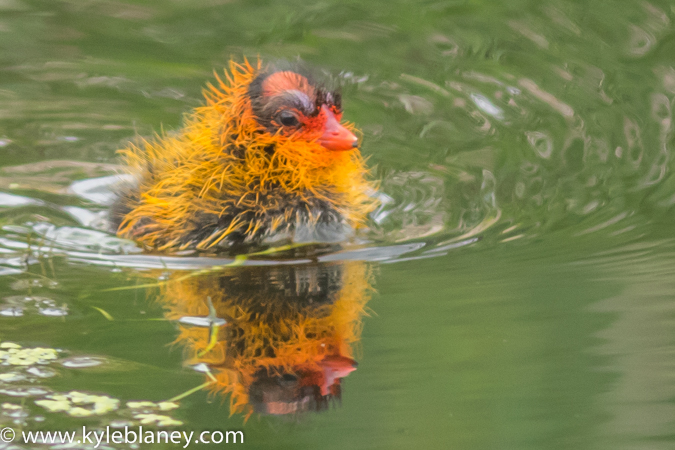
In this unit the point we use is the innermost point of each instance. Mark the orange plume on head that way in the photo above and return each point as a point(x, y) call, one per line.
point(280, 82)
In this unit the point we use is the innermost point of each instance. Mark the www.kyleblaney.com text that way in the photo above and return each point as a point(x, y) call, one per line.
point(129, 435)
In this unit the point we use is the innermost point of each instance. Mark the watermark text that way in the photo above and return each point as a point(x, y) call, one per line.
point(127, 435)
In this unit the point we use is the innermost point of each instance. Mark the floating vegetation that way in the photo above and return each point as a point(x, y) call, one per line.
point(162, 406)
point(14, 355)
point(11, 406)
point(27, 365)
point(30, 365)
point(15, 413)
point(143, 411)
point(157, 419)
point(79, 404)
point(11, 376)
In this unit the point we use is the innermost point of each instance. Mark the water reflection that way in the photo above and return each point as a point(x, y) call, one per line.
point(277, 339)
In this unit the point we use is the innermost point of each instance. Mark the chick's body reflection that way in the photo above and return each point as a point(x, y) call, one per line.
point(278, 339)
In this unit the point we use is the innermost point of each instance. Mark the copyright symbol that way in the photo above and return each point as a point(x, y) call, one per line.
point(7, 435)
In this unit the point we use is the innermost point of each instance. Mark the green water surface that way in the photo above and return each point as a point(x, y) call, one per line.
point(523, 261)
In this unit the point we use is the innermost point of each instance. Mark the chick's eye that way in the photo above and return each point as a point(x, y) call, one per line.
point(288, 119)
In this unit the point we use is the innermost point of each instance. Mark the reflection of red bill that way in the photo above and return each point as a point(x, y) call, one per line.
point(334, 368)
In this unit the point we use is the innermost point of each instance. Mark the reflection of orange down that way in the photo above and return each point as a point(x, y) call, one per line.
point(287, 335)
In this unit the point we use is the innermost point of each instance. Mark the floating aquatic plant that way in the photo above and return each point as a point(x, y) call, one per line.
point(79, 404)
point(14, 355)
point(82, 404)
point(29, 362)
point(162, 406)
point(157, 419)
